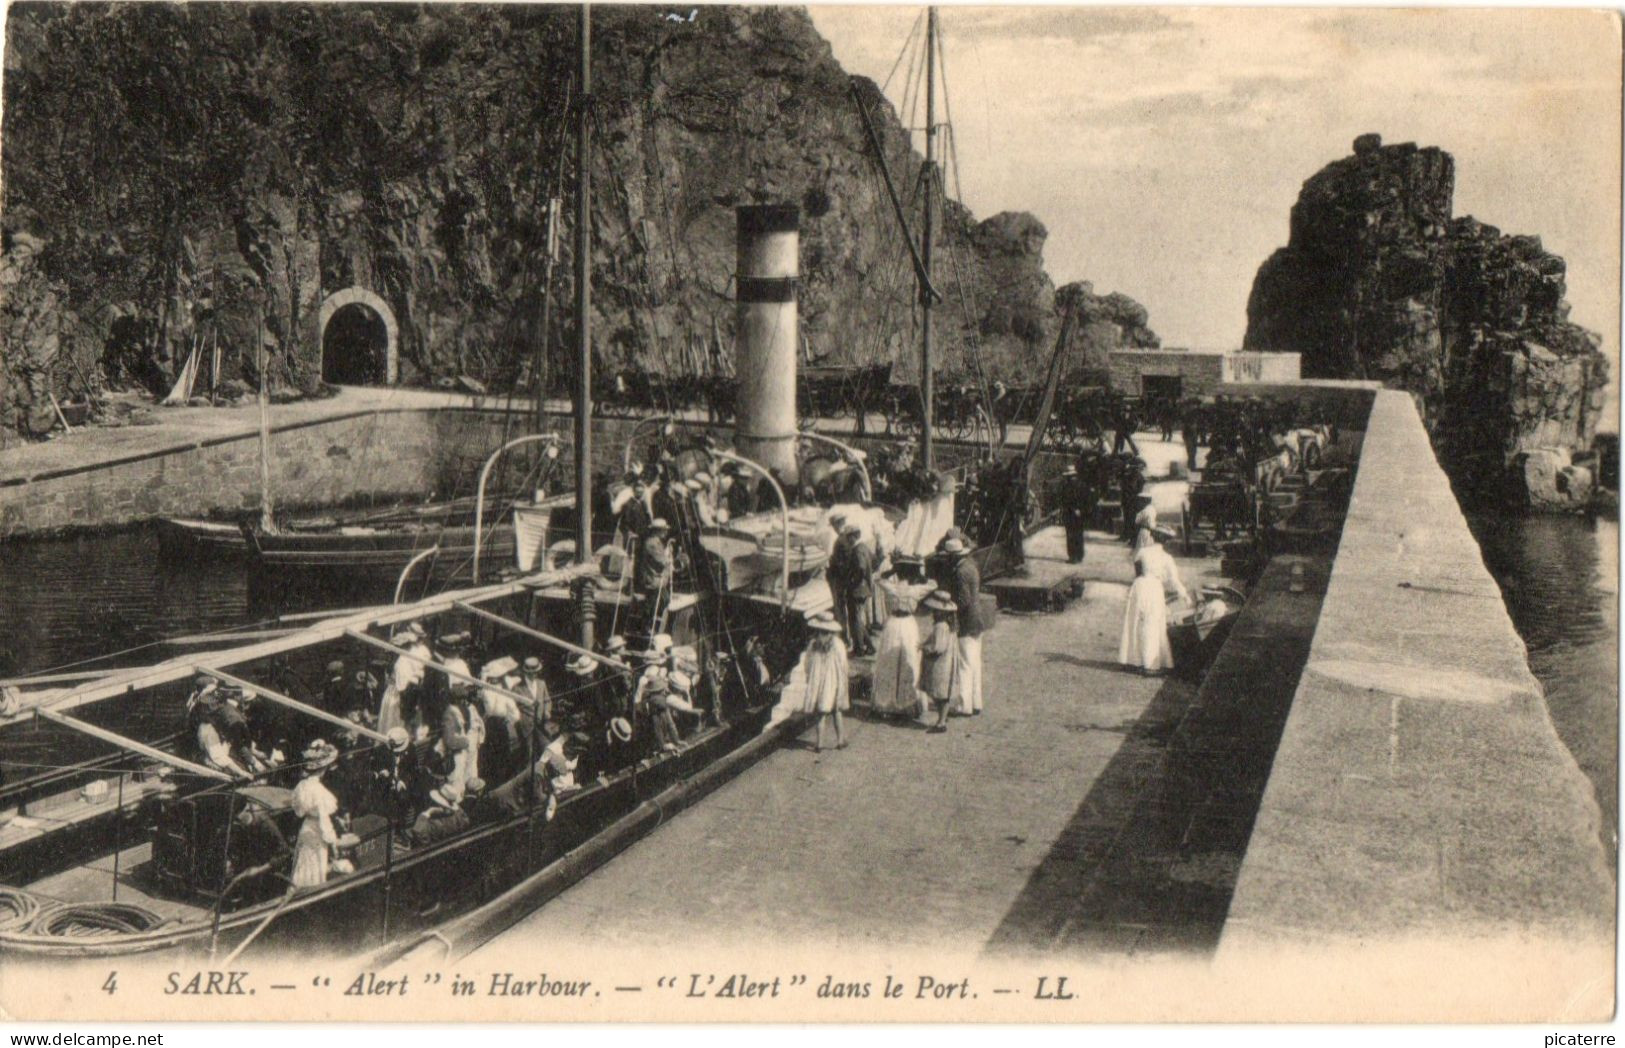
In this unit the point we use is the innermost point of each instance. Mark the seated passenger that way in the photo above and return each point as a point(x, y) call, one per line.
point(443, 817)
point(214, 730)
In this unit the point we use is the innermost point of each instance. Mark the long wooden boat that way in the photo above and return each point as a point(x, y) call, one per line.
point(448, 524)
point(132, 852)
point(383, 550)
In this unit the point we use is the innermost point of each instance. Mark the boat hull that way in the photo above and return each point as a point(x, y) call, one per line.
point(383, 552)
point(417, 890)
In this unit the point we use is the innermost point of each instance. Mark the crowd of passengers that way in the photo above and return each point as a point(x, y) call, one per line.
point(457, 754)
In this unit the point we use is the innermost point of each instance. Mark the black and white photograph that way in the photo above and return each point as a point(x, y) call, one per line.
point(627, 512)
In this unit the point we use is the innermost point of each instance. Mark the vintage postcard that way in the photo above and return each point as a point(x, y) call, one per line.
point(633, 512)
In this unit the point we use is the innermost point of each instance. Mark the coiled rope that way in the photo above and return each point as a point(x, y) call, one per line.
point(19, 908)
point(82, 919)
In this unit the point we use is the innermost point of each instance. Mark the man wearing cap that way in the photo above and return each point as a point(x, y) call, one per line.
point(851, 566)
point(1077, 509)
point(654, 569)
point(1130, 482)
point(966, 588)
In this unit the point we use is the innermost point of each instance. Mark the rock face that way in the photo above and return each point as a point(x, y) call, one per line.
point(193, 166)
point(1379, 281)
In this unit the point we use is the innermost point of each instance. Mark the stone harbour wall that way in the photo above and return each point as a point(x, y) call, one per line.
point(373, 455)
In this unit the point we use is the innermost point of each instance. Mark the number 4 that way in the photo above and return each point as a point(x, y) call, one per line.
point(111, 985)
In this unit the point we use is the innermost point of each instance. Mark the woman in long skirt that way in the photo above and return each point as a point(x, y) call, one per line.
point(1145, 625)
point(315, 804)
point(895, 682)
point(826, 668)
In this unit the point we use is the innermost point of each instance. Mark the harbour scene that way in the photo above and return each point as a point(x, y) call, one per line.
point(439, 525)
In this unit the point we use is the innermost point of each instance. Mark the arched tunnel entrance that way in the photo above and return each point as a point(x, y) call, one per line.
point(355, 348)
point(358, 339)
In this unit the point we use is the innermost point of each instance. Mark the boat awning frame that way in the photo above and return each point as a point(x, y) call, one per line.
point(333, 628)
point(123, 743)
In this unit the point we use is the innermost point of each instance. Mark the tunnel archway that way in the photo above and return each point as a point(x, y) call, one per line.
point(359, 339)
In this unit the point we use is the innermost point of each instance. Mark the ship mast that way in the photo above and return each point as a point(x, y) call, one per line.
point(583, 259)
point(928, 176)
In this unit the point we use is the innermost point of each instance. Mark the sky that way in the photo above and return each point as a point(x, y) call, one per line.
point(1164, 147)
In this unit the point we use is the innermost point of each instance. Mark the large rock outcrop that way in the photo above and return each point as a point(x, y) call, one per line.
point(1380, 281)
point(188, 163)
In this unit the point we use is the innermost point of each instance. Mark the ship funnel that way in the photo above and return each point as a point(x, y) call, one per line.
point(769, 240)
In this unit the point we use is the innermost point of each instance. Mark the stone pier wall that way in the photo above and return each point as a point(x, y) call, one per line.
point(1420, 791)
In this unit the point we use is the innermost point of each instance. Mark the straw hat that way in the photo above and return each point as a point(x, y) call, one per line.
point(581, 665)
point(532, 664)
point(496, 669)
point(953, 547)
point(824, 623)
point(660, 642)
point(398, 738)
point(320, 754)
point(659, 524)
point(615, 644)
point(941, 600)
point(621, 728)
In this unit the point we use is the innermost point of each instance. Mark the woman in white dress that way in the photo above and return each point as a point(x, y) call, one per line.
point(1145, 625)
point(315, 804)
point(406, 673)
point(1160, 566)
point(895, 681)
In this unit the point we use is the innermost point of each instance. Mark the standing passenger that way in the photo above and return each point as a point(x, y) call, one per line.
point(315, 804)
point(895, 683)
point(404, 675)
point(967, 598)
point(824, 663)
point(1144, 644)
point(940, 657)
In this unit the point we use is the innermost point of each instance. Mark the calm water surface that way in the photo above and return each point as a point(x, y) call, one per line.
point(1560, 575)
point(102, 601)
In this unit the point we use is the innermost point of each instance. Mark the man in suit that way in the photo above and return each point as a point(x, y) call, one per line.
point(533, 687)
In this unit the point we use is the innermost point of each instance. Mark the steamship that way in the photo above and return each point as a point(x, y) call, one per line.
point(138, 849)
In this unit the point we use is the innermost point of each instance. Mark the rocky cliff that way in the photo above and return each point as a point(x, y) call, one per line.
point(181, 169)
point(1380, 281)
